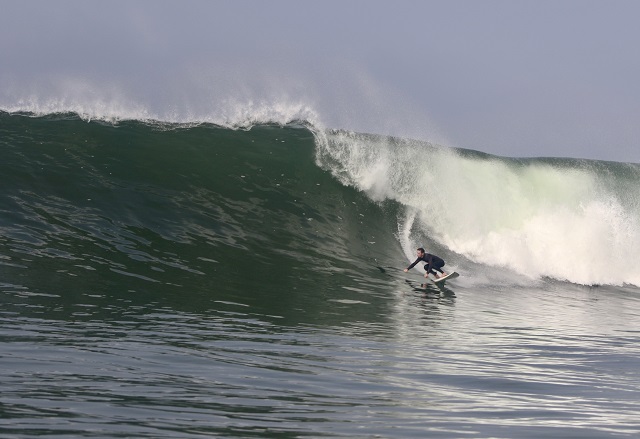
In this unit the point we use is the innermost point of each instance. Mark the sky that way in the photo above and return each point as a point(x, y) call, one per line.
point(512, 78)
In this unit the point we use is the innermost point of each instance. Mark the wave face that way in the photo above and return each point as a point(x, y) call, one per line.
point(156, 207)
point(96, 202)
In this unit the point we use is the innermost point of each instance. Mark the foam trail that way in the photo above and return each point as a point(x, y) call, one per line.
point(566, 219)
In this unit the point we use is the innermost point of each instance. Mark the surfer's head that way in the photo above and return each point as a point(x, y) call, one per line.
point(420, 251)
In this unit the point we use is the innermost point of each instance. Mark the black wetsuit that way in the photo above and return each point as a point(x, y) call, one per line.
point(432, 263)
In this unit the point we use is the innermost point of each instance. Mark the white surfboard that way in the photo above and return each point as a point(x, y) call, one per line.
point(441, 280)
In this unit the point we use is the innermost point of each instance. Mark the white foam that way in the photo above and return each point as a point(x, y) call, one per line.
point(533, 217)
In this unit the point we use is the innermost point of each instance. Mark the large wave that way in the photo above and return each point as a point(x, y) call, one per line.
point(567, 219)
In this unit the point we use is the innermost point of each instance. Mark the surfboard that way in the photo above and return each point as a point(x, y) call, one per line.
point(441, 280)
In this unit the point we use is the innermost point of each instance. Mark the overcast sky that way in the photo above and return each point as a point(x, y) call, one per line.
point(514, 78)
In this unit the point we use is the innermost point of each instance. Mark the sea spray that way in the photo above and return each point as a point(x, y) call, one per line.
point(85, 102)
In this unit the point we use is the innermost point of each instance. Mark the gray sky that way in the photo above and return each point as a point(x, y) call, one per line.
point(514, 78)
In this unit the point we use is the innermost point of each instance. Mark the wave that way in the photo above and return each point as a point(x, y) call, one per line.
point(286, 189)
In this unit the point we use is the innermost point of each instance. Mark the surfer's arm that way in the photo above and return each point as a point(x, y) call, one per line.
point(412, 265)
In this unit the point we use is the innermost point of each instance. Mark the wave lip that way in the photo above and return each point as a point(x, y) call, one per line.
point(114, 106)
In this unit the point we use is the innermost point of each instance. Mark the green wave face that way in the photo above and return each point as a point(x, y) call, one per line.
point(186, 214)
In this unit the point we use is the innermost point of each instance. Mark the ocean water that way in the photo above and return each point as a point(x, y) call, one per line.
point(196, 280)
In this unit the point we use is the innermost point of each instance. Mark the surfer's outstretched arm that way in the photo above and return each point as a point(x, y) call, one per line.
point(412, 265)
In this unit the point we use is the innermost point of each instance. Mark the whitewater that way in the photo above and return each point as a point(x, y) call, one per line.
point(568, 219)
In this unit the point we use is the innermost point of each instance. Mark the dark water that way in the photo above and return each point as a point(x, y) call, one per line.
point(174, 281)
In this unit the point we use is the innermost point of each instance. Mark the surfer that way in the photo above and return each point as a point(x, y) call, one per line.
point(433, 264)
